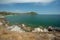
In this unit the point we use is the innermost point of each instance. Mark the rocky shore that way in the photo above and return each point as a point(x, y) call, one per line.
point(25, 28)
point(24, 32)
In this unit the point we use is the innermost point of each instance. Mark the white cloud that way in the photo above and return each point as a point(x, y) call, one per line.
point(25, 1)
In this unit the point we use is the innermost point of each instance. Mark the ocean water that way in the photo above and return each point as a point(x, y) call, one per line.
point(35, 20)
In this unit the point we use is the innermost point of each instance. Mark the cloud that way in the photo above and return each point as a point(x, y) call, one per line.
point(25, 1)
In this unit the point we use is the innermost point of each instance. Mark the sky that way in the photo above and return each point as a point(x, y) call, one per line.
point(39, 6)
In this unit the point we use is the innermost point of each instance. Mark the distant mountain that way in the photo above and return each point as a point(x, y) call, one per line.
point(11, 13)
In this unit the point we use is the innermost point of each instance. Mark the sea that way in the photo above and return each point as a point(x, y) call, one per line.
point(35, 20)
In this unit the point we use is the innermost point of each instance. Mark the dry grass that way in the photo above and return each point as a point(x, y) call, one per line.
point(22, 36)
point(9, 35)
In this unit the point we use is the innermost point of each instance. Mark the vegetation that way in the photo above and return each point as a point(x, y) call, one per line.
point(10, 13)
point(7, 13)
point(32, 13)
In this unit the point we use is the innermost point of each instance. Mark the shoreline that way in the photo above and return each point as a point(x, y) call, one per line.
point(27, 28)
point(25, 32)
point(31, 22)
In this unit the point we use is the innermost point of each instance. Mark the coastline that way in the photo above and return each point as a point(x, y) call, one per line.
point(26, 27)
point(24, 32)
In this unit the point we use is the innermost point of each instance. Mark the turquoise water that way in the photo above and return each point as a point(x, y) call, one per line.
point(35, 20)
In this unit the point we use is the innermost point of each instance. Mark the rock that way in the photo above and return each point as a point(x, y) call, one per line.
point(45, 30)
point(1, 23)
point(37, 30)
point(23, 25)
point(50, 28)
point(15, 28)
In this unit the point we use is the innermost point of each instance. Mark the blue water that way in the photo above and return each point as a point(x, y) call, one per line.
point(35, 20)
